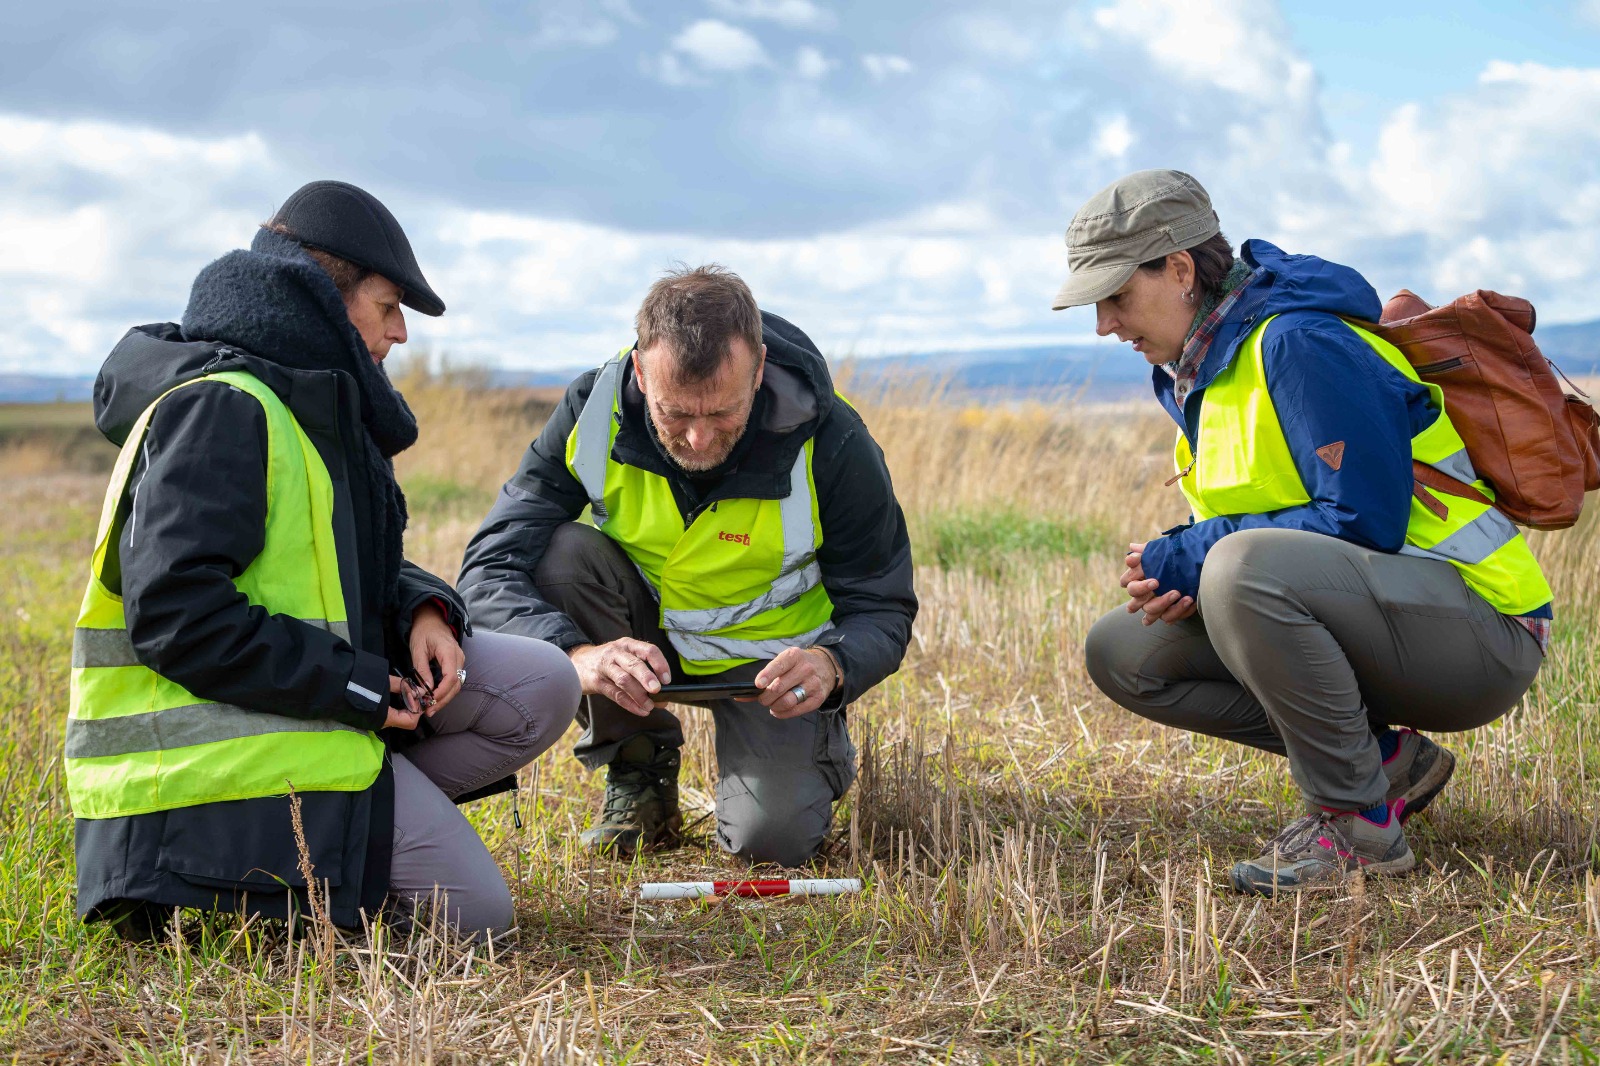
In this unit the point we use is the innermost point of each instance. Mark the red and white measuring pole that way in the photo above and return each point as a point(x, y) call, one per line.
point(701, 889)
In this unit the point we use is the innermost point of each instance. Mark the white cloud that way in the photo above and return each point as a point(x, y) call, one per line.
point(1498, 183)
point(1114, 137)
point(934, 281)
point(795, 14)
point(811, 64)
point(882, 67)
point(717, 46)
point(1235, 44)
point(76, 269)
point(990, 35)
point(571, 27)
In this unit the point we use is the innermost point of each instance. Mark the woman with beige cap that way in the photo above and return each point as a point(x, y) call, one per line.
point(1315, 602)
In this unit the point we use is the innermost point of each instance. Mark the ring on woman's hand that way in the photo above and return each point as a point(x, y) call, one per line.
point(461, 675)
point(799, 693)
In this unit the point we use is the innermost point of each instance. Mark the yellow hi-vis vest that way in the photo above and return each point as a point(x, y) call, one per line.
point(1244, 467)
point(137, 742)
point(741, 582)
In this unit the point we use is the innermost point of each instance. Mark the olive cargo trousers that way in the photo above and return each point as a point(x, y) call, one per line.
point(777, 779)
point(1308, 646)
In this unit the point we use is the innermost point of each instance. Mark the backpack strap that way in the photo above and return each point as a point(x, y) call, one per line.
point(1424, 476)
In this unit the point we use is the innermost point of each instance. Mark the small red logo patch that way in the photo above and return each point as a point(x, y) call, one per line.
point(1332, 454)
point(737, 538)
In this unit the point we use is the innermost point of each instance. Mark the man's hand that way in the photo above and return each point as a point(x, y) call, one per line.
point(405, 717)
point(810, 669)
point(433, 641)
point(1144, 592)
point(628, 672)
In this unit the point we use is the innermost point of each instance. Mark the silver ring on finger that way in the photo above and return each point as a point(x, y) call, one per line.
point(799, 693)
point(461, 675)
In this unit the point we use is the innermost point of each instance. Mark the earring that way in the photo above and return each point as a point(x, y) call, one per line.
point(1188, 296)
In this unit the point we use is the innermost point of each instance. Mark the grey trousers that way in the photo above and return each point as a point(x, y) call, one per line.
point(1308, 646)
point(519, 697)
point(778, 779)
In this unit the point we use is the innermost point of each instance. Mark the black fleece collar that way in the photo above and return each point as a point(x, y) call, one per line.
point(275, 302)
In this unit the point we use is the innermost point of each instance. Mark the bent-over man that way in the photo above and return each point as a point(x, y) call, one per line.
point(745, 529)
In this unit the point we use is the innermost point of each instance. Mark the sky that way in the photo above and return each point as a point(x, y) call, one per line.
point(891, 176)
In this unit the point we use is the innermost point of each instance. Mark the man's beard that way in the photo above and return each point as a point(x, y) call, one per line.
point(690, 461)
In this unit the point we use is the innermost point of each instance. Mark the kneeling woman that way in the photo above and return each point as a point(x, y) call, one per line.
point(249, 612)
point(1322, 604)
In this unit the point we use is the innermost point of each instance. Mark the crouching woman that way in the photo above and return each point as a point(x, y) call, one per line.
point(1323, 604)
point(250, 614)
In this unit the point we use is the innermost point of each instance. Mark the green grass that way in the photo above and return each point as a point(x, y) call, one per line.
point(22, 417)
point(441, 496)
point(990, 541)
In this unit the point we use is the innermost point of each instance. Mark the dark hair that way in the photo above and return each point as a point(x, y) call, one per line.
point(347, 276)
point(1213, 258)
point(698, 311)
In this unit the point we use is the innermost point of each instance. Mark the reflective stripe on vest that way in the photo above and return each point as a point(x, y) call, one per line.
point(595, 434)
point(114, 647)
point(1244, 466)
point(699, 633)
point(138, 742)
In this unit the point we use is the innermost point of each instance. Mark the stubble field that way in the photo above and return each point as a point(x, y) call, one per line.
point(1046, 873)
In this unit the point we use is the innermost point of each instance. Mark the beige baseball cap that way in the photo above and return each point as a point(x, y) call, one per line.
point(1135, 219)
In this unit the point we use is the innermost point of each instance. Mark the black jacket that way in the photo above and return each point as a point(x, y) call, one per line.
point(865, 555)
point(193, 518)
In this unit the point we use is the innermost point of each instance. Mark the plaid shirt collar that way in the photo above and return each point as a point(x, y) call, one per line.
point(1187, 368)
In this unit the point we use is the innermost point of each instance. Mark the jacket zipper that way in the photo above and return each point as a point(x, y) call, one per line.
point(1440, 367)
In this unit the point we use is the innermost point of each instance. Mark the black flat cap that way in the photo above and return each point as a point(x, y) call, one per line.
point(343, 220)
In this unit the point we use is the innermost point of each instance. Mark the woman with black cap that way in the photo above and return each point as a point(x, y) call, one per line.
point(251, 623)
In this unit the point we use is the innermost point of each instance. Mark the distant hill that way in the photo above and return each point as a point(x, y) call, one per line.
point(41, 388)
point(1101, 371)
point(1095, 370)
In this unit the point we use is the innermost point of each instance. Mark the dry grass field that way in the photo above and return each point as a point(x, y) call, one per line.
point(1046, 874)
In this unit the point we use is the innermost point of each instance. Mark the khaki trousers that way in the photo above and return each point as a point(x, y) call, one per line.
point(1308, 646)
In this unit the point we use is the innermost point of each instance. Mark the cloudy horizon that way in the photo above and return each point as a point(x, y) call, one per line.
point(891, 177)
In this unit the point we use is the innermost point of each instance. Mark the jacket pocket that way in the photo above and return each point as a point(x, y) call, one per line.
point(249, 845)
point(835, 753)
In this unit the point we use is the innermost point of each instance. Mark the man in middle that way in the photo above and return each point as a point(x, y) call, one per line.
point(745, 529)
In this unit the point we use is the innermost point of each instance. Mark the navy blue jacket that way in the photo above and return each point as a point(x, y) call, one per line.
point(1327, 386)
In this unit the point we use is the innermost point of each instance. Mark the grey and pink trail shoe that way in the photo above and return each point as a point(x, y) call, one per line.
point(1417, 771)
point(1322, 849)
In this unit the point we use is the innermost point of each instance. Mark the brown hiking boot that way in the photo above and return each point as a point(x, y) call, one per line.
point(641, 805)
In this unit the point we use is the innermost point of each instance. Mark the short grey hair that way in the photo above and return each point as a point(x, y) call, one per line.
point(698, 311)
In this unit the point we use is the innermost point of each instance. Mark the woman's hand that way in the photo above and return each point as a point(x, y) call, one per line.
point(405, 717)
point(1135, 563)
point(809, 669)
point(1143, 592)
point(433, 641)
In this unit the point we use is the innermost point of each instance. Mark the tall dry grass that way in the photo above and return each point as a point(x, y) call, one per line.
point(1044, 871)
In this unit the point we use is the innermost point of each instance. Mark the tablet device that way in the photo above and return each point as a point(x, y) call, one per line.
point(716, 691)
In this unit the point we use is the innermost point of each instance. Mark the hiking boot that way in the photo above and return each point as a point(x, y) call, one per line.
point(1322, 849)
point(1417, 771)
point(641, 804)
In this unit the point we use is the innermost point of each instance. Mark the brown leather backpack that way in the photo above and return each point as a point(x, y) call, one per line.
point(1537, 445)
